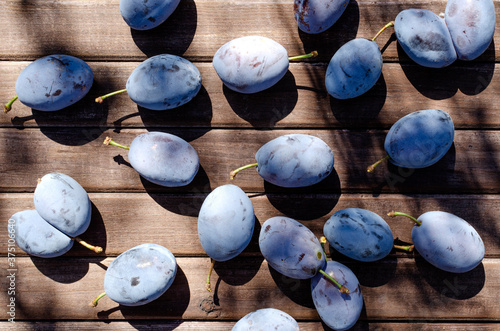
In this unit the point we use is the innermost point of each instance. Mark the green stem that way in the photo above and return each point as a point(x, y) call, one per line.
point(304, 56)
point(8, 105)
point(233, 173)
point(397, 213)
point(96, 300)
point(388, 25)
point(373, 166)
point(96, 249)
point(110, 141)
point(210, 275)
point(101, 98)
point(342, 288)
point(406, 248)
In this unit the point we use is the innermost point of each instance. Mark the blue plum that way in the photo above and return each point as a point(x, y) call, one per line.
point(315, 16)
point(146, 14)
point(64, 203)
point(53, 82)
point(446, 241)
point(226, 222)
point(293, 160)
point(420, 139)
point(338, 310)
point(161, 82)
point(291, 248)
point(140, 275)
point(353, 69)
point(359, 234)
point(266, 319)
point(162, 158)
point(471, 24)
point(250, 64)
point(164, 82)
point(425, 38)
point(37, 237)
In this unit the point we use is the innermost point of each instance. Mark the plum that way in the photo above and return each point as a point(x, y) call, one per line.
point(293, 160)
point(162, 158)
point(146, 14)
point(425, 38)
point(291, 248)
point(161, 82)
point(52, 83)
point(139, 275)
point(446, 241)
point(266, 319)
point(316, 16)
point(359, 234)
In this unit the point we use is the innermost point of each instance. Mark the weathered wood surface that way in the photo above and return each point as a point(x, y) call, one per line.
point(94, 29)
point(121, 221)
point(400, 292)
point(227, 326)
point(471, 166)
point(467, 92)
point(394, 289)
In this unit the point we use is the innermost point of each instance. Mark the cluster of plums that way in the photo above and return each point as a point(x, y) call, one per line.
point(226, 218)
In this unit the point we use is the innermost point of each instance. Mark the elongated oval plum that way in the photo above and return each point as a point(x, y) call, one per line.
point(226, 222)
point(294, 160)
point(425, 38)
point(353, 69)
point(266, 319)
point(54, 82)
point(37, 237)
point(315, 16)
point(164, 82)
point(140, 275)
point(340, 311)
point(359, 234)
point(291, 248)
point(471, 24)
point(448, 242)
point(64, 203)
point(146, 14)
point(420, 139)
point(250, 64)
point(164, 159)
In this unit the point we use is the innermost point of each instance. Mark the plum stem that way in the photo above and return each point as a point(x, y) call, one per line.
point(322, 241)
point(233, 173)
point(406, 248)
point(304, 56)
point(341, 287)
point(101, 98)
point(397, 213)
point(388, 25)
point(210, 275)
point(373, 166)
point(8, 105)
point(96, 249)
point(110, 141)
point(96, 300)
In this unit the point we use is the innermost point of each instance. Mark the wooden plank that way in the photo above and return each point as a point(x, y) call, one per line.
point(471, 166)
point(467, 92)
point(402, 290)
point(121, 221)
point(227, 326)
point(95, 30)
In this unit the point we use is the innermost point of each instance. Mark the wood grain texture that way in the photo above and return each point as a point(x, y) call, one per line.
point(64, 287)
point(121, 221)
point(95, 30)
point(467, 92)
point(471, 165)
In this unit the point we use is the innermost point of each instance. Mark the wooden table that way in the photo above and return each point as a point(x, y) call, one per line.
point(226, 128)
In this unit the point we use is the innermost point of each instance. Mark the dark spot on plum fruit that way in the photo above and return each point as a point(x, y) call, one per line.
point(56, 93)
point(152, 19)
point(135, 281)
point(301, 256)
